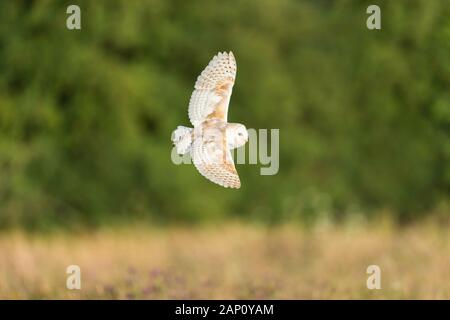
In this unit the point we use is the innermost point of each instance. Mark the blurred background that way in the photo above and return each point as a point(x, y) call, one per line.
point(86, 176)
point(86, 115)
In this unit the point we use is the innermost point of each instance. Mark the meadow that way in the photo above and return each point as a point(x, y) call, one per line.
point(230, 261)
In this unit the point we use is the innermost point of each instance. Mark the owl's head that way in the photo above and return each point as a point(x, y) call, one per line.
point(237, 135)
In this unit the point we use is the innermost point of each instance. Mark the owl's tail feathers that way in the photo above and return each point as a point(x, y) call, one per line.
point(182, 139)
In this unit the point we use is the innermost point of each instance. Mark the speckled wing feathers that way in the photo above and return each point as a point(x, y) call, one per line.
point(215, 163)
point(213, 89)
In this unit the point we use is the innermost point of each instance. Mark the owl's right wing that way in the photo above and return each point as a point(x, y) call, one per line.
point(213, 88)
point(214, 161)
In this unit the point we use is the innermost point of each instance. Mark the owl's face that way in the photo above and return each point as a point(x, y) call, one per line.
point(237, 135)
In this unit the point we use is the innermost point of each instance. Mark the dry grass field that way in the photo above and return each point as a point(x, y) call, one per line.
point(230, 261)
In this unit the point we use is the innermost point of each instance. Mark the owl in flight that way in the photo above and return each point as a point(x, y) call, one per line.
point(212, 138)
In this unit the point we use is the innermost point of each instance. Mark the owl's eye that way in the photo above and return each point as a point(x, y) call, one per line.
point(240, 134)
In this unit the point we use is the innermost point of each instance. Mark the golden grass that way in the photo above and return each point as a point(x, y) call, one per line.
point(231, 261)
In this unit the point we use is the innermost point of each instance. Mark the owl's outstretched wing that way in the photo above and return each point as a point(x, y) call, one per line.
point(213, 160)
point(213, 88)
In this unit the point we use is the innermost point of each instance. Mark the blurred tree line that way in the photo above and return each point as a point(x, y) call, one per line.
point(86, 115)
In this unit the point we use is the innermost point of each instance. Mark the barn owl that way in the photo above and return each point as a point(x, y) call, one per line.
point(211, 140)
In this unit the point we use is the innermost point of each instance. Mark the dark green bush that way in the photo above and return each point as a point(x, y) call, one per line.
point(86, 115)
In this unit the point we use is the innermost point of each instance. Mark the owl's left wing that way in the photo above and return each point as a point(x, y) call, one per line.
point(213, 88)
point(214, 161)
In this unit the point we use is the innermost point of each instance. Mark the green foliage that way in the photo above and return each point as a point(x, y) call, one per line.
point(86, 115)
